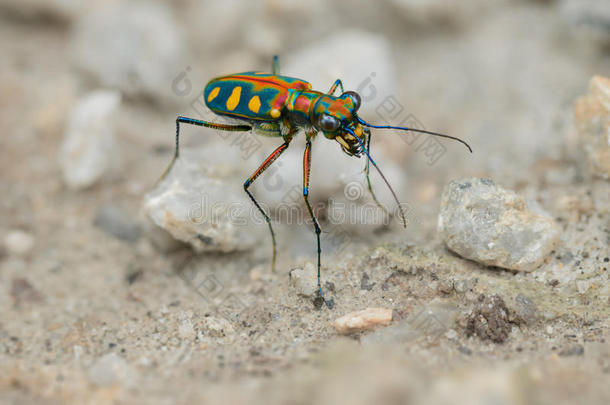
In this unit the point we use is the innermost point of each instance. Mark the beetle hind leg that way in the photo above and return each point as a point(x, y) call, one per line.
point(192, 121)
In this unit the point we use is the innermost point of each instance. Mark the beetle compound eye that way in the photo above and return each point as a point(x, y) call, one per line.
point(328, 123)
point(355, 97)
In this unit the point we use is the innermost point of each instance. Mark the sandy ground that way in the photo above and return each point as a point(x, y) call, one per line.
point(87, 317)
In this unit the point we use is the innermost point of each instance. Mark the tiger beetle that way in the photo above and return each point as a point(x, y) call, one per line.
point(279, 106)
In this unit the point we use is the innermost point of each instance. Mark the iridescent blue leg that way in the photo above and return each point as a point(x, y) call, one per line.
point(192, 121)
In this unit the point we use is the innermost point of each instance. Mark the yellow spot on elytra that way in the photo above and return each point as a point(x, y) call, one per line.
point(275, 113)
point(213, 94)
point(358, 131)
point(233, 99)
point(254, 104)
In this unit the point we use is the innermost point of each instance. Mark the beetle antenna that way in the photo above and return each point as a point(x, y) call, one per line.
point(413, 129)
point(400, 210)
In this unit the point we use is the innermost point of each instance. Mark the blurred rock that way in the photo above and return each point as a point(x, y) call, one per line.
point(592, 120)
point(364, 64)
point(430, 321)
point(18, 242)
point(116, 222)
point(204, 205)
point(491, 225)
point(133, 46)
point(45, 10)
point(363, 320)
point(305, 280)
point(89, 148)
point(590, 18)
point(108, 370)
point(446, 13)
point(574, 350)
point(22, 292)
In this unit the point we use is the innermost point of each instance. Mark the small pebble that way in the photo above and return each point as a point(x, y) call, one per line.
point(305, 280)
point(18, 242)
point(363, 320)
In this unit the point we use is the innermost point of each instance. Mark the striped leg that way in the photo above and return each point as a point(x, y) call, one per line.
point(319, 300)
point(333, 88)
point(270, 159)
point(192, 121)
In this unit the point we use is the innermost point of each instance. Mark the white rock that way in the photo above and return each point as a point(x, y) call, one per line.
point(305, 280)
point(486, 223)
point(363, 320)
point(592, 120)
point(204, 205)
point(89, 148)
point(133, 46)
point(18, 242)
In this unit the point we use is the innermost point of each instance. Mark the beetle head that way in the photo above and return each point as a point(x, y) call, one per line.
point(332, 115)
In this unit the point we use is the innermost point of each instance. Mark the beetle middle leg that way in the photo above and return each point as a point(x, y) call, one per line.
point(192, 121)
point(333, 88)
point(270, 159)
point(319, 300)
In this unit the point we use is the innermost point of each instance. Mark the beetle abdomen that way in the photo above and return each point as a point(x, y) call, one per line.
point(250, 95)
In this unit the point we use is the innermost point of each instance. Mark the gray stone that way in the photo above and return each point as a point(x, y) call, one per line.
point(484, 222)
point(89, 149)
point(525, 309)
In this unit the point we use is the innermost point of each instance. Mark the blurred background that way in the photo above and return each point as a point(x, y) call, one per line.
point(500, 74)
